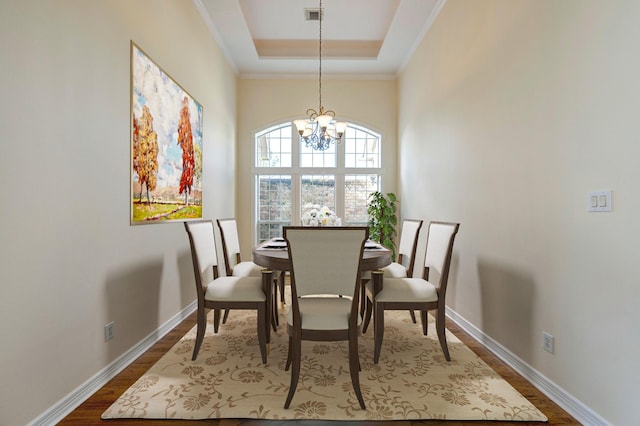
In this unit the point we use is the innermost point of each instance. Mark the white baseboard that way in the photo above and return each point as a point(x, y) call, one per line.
point(570, 404)
point(69, 403)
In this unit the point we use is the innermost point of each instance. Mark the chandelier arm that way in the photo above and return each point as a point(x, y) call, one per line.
point(312, 114)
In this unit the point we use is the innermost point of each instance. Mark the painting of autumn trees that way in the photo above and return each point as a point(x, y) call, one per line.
point(166, 146)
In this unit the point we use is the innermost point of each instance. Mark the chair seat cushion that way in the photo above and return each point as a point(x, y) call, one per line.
point(234, 289)
point(247, 269)
point(394, 270)
point(407, 290)
point(324, 313)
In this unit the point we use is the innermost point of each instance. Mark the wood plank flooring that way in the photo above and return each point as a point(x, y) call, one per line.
point(88, 413)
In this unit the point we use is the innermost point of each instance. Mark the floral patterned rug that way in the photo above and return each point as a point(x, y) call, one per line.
point(411, 381)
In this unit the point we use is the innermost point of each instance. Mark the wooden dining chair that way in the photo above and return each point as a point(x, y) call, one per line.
point(325, 293)
point(235, 266)
point(401, 268)
point(423, 294)
point(225, 292)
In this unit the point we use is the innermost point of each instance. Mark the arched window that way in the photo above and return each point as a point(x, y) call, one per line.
point(292, 180)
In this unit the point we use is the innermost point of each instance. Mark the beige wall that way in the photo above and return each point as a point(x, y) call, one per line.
point(261, 103)
point(69, 260)
point(509, 113)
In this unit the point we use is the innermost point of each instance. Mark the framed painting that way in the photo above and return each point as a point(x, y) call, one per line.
point(166, 146)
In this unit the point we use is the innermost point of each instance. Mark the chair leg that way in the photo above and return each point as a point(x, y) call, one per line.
point(413, 316)
point(268, 319)
point(262, 334)
point(275, 303)
point(442, 337)
point(367, 314)
point(202, 326)
point(216, 320)
point(354, 368)
point(378, 330)
point(295, 350)
point(424, 318)
point(226, 315)
point(275, 322)
point(281, 284)
point(288, 363)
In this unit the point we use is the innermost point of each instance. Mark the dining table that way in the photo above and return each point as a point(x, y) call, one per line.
point(273, 254)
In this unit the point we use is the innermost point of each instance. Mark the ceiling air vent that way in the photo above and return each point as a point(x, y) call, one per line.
point(312, 14)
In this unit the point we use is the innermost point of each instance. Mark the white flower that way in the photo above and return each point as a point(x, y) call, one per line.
point(326, 212)
point(314, 214)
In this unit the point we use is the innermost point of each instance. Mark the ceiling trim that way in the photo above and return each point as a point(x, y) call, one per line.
point(432, 18)
point(204, 14)
point(282, 64)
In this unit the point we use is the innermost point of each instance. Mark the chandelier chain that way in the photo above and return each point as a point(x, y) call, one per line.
point(320, 60)
point(319, 131)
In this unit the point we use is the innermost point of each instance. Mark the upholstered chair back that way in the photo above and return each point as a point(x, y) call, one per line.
point(204, 247)
point(408, 244)
point(325, 259)
point(230, 243)
point(439, 251)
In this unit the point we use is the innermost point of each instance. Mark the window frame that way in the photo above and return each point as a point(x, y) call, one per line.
point(296, 172)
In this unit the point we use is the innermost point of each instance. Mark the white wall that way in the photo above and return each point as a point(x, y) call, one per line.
point(509, 113)
point(69, 260)
point(265, 102)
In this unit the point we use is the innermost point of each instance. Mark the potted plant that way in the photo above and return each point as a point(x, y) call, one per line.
point(383, 219)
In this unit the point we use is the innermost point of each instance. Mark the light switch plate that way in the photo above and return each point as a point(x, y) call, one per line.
point(599, 201)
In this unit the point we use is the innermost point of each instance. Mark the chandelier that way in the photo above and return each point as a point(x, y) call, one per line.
point(320, 129)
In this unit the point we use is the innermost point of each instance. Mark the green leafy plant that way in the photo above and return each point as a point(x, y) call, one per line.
point(382, 219)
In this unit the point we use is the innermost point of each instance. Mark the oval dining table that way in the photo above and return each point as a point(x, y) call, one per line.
point(272, 254)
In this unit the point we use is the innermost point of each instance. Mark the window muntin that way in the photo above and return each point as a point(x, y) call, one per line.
point(273, 147)
point(361, 148)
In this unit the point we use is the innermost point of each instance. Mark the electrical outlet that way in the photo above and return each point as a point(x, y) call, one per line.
point(108, 331)
point(547, 342)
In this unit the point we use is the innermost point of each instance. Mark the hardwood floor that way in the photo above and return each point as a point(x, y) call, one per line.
point(88, 413)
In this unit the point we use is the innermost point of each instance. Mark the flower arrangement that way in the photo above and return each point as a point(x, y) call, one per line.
point(317, 215)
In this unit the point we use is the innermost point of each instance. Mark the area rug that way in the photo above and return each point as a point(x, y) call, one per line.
point(411, 381)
